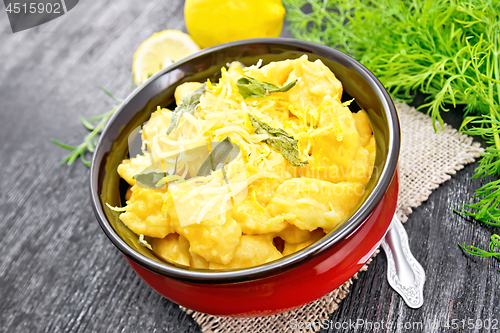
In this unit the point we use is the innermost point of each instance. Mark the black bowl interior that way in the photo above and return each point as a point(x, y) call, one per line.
point(358, 82)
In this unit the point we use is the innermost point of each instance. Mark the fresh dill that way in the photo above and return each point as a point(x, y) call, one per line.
point(447, 49)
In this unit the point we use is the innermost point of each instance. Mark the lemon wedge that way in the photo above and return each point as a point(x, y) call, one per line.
point(159, 51)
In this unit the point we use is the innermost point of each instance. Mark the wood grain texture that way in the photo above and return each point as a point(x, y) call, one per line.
point(58, 271)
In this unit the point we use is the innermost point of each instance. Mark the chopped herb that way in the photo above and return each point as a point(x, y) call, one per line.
point(150, 178)
point(280, 140)
point(217, 156)
point(154, 179)
point(110, 94)
point(250, 87)
point(187, 105)
point(493, 248)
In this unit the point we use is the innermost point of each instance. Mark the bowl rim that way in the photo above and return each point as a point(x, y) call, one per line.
point(288, 262)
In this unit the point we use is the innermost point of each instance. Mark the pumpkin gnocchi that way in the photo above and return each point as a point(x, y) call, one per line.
point(249, 169)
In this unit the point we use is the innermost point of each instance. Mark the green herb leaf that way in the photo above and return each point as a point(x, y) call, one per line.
point(110, 94)
point(493, 248)
point(153, 179)
point(63, 145)
point(218, 155)
point(150, 178)
point(280, 140)
point(250, 87)
point(87, 124)
point(187, 105)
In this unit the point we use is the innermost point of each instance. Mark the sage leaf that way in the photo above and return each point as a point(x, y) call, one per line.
point(280, 140)
point(187, 105)
point(150, 179)
point(218, 155)
point(250, 87)
point(154, 179)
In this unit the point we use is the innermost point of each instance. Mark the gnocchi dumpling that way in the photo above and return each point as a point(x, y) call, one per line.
point(214, 240)
point(144, 215)
point(315, 203)
point(314, 236)
point(252, 250)
point(172, 248)
point(255, 219)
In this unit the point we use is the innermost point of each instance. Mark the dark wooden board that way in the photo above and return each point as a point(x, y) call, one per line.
point(59, 273)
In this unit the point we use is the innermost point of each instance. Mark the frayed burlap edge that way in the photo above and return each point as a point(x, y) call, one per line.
point(427, 160)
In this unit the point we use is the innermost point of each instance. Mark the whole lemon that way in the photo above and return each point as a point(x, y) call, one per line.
point(212, 22)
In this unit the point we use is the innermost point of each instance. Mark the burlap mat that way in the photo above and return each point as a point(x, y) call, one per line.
point(427, 159)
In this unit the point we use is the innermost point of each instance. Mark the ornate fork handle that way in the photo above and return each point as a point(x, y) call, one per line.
point(404, 274)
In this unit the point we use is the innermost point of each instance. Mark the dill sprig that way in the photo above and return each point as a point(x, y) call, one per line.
point(90, 141)
point(447, 49)
point(493, 248)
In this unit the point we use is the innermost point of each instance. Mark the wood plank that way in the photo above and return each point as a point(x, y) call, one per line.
point(58, 271)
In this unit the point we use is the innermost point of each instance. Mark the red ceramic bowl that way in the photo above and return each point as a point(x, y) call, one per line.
point(294, 280)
